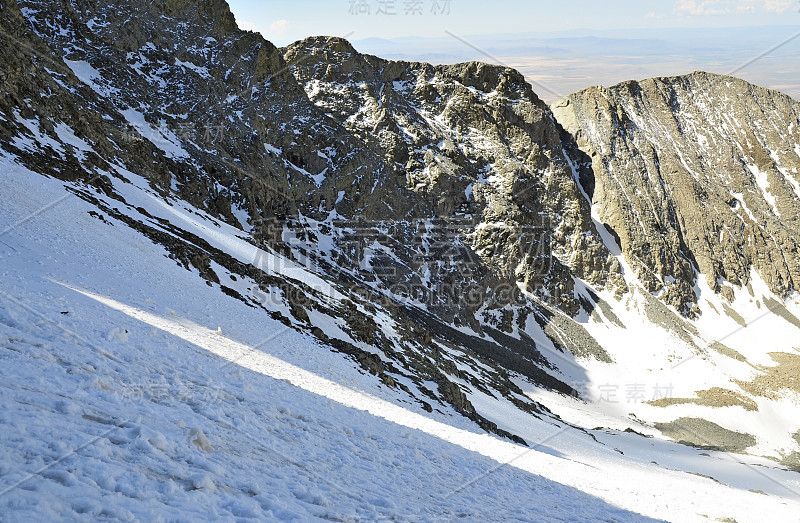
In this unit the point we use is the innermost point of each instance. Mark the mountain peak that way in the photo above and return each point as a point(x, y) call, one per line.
point(212, 13)
point(696, 136)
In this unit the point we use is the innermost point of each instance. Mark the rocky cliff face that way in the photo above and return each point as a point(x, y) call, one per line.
point(225, 121)
point(469, 144)
point(695, 175)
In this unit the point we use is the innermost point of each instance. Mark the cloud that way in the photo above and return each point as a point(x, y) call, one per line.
point(279, 26)
point(702, 8)
point(721, 7)
point(768, 6)
point(244, 25)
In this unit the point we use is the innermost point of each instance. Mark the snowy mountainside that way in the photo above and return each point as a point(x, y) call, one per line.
point(430, 245)
point(164, 429)
point(122, 400)
point(99, 156)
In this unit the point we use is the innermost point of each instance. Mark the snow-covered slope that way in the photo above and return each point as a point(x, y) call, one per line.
point(151, 414)
point(121, 399)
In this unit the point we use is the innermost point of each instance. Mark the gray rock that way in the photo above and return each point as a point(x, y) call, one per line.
point(696, 174)
point(701, 433)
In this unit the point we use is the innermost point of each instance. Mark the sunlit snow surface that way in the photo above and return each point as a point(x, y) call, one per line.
point(119, 399)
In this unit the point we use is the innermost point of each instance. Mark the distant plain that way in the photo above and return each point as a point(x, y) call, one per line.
point(561, 63)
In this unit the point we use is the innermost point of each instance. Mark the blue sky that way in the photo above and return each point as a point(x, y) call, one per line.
point(283, 22)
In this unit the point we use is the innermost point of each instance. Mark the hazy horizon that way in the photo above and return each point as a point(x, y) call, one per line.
point(575, 60)
point(756, 40)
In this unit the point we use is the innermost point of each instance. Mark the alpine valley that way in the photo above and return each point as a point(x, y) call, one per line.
point(304, 283)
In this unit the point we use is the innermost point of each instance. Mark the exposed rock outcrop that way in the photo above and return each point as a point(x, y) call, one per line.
point(698, 174)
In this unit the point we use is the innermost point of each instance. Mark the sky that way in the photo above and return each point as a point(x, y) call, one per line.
point(283, 22)
point(560, 47)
